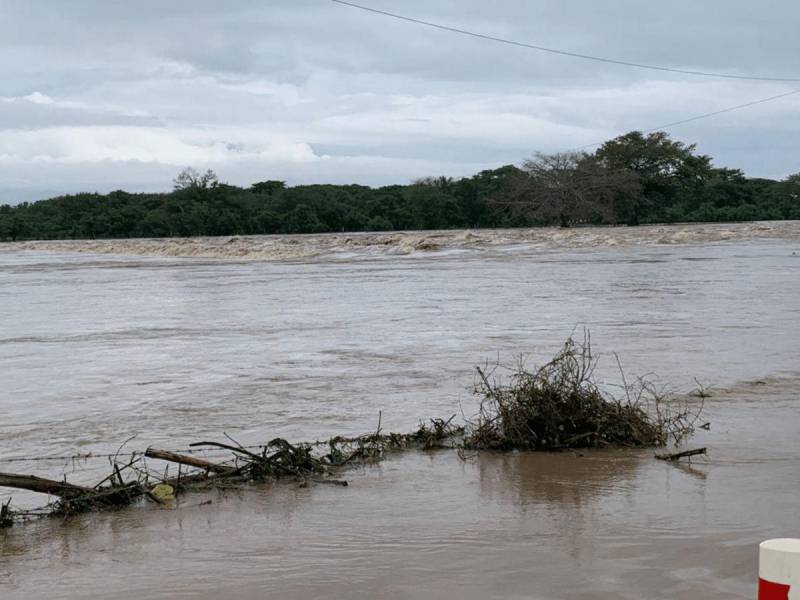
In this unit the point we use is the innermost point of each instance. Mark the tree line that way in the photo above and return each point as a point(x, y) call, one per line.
point(632, 179)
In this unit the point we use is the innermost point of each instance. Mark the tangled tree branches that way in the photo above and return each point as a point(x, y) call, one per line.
point(560, 406)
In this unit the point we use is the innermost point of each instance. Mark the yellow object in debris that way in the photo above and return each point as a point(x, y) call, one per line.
point(164, 492)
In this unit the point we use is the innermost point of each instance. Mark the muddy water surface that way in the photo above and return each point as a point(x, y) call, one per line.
point(97, 348)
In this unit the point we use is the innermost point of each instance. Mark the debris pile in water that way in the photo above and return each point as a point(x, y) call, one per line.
point(556, 407)
point(133, 480)
point(560, 406)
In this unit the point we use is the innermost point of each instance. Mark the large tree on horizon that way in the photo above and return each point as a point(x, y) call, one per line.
point(665, 167)
point(568, 188)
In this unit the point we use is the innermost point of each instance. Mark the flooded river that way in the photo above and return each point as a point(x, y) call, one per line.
point(174, 346)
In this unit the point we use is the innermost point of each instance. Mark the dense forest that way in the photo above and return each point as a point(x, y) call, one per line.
point(632, 179)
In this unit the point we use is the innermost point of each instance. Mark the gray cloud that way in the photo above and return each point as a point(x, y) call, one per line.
point(103, 95)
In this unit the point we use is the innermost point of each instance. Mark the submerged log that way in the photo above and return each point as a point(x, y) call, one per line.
point(62, 489)
point(190, 461)
point(115, 495)
point(680, 455)
point(73, 498)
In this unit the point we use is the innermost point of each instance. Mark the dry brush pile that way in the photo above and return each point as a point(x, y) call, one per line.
point(560, 405)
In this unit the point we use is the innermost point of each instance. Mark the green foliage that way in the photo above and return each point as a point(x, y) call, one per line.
point(665, 168)
point(635, 178)
point(201, 206)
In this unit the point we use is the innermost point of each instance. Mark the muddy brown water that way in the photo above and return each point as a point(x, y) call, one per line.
point(97, 348)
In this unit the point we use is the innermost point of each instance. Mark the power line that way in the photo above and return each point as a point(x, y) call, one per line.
point(612, 61)
point(703, 116)
point(83, 457)
point(600, 59)
point(90, 455)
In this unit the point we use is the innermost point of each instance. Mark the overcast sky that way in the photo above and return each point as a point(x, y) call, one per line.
point(97, 95)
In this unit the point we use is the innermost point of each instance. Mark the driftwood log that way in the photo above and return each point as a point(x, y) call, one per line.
point(189, 461)
point(73, 498)
point(32, 483)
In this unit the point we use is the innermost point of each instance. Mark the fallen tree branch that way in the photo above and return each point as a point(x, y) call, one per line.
point(339, 482)
point(236, 449)
point(188, 461)
point(62, 489)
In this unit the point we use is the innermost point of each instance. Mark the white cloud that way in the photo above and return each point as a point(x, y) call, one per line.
point(39, 98)
point(102, 144)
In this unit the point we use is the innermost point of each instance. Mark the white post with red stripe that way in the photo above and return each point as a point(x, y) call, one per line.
point(779, 570)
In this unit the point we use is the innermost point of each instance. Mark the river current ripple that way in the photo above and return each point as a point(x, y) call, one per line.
point(98, 347)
